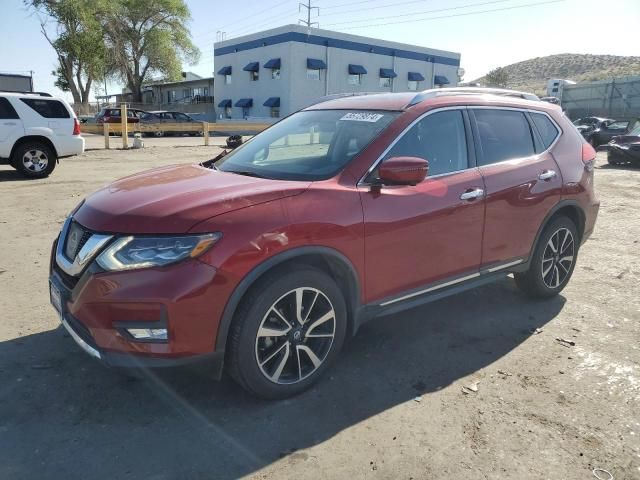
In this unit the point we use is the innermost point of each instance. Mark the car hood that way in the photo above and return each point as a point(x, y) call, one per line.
point(175, 198)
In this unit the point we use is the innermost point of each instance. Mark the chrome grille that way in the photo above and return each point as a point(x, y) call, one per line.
point(77, 246)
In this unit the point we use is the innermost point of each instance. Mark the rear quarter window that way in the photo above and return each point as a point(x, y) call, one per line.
point(547, 130)
point(47, 108)
point(504, 135)
point(7, 112)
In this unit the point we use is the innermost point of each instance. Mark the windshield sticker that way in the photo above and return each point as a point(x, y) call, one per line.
point(362, 117)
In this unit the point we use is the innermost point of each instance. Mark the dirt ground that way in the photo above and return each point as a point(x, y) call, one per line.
point(393, 406)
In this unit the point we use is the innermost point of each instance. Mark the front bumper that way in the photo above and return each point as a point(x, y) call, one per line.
point(618, 154)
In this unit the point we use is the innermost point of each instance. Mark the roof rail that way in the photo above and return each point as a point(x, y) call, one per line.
point(439, 92)
point(42, 94)
point(333, 96)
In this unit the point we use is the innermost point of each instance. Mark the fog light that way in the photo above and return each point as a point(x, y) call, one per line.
point(148, 333)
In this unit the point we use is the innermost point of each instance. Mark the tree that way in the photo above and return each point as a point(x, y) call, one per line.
point(497, 78)
point(77, 41)
point(148, 37)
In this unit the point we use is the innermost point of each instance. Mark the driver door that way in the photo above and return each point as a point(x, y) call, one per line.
point(420, 235)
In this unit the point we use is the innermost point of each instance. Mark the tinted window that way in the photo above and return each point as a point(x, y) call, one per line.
point(438, 138)
point(504, 134)
point(547, 130)
point(47, 108)
point(6, 110)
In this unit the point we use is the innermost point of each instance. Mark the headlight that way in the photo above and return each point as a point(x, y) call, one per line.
point(129, 253)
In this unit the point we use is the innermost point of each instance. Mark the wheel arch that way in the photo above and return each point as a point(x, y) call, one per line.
point(331, 261)
point(569, 208)
point(33, 138)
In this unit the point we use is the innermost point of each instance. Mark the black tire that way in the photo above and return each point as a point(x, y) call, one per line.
point(611, 160)
point(246, 348)
point(34, 159)
point(536, 282)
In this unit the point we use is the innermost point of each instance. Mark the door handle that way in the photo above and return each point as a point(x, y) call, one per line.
point(547, 175)
point(472, 194)
point(9, 123)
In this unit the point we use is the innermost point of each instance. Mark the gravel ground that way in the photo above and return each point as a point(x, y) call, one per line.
point(394, 405)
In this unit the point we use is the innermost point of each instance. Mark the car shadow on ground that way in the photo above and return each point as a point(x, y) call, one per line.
point(64, 415)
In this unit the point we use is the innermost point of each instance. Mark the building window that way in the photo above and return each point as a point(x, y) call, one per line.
point(413, 85)
point(275, 73)
point(186, 93)
point(254, 76)
point(313, 74)
point(171, 96)
point(385, 82)
point(227, 112)
point(227, 79)
point(354, 79)
point(245, 112)
point(275, 112)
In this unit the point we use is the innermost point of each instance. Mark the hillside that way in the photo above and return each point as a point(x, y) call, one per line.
point(532, 75)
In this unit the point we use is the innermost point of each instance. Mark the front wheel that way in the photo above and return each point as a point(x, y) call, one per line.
point(34, 160)
point(553, 260)
point(287, 332)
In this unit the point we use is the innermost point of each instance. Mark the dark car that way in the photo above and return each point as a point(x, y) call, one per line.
point(164, 119)
point(269, 258)
point(587, 125)
point(604, 134)
point(625, 148)
point(114, 115)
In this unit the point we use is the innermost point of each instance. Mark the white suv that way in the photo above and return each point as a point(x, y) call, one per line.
point(35, 131)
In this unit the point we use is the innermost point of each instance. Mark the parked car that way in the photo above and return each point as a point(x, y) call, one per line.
point(587, 125)
point(36, 130)
point(625, 148)
point(602, 135)
point(163, 119)
point(353, 208)
point(114, 115)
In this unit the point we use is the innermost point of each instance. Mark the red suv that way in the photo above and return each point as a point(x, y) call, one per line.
point(271, 257)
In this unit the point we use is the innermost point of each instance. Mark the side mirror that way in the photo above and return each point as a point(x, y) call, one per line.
point(403, 170)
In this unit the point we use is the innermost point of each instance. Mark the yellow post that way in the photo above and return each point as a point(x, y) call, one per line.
point(205, 132)
point(105, 129)
point(125, 126)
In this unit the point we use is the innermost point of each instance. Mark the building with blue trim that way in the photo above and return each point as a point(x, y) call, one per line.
point(276, 72)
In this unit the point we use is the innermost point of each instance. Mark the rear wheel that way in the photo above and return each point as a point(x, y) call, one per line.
point(553, 260)
point(287, 332)
point(34, 160)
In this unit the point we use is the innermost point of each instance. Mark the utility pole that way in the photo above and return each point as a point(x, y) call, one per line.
point(308, 21)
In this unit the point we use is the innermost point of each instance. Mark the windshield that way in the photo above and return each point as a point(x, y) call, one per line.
point(308, 145)
point(636, 130)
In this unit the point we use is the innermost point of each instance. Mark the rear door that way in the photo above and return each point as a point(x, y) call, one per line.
point(522, 180)
point(11, 127)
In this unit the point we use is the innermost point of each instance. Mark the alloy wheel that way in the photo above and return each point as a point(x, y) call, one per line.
point(35, 160)
point(295, 335)
point(557, 258)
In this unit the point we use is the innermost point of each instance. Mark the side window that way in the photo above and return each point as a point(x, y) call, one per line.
point(439, 138)
point(47, 108)
point(7, 112)
point(547, 130)
point(504, 135)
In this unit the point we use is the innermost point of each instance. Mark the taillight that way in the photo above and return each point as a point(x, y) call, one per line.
point(76, 126)
point(588, 157)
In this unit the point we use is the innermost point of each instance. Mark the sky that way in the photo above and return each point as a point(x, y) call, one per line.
point(520, 30)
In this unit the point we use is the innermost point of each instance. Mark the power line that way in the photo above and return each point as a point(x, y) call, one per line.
point(459, 7)
point(369, 7)
point(449, 16)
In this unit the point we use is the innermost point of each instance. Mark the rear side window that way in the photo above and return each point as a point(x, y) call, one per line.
point(547, 130)
point(504, 135)
point(440, 139)
point(47, 108)
point(7, 112)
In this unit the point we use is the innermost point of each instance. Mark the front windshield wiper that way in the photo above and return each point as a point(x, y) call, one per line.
point(246, 173)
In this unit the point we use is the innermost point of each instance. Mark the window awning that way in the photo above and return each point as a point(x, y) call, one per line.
point(357, 69)
point(387, 73)
point(272, 102)
point(273, 63)
point(225, 71)
point(440, 80)
point(316, 64)
point(252, 67)
point(415, 77)
point(225, 103)
point(245, 102)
